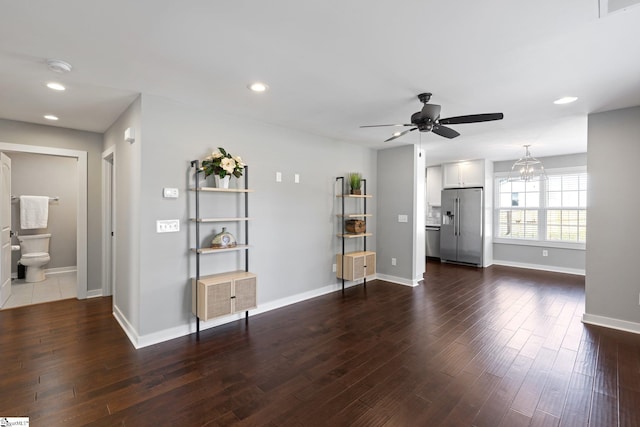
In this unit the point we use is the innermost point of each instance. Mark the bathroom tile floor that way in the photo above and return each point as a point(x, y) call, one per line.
point(55, 287)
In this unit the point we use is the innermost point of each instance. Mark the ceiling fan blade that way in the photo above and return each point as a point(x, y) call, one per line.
point(445, 131)
point(377, 126)
point(398, 135)
point(472, 118)
point(431, 111)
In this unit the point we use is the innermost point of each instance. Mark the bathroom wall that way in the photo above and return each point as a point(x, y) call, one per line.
point(15, 132)
point(42, 175)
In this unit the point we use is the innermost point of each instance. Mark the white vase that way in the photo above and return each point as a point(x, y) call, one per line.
point(222, 182)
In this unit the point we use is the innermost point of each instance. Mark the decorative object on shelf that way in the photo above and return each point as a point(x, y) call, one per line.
point(355, 182)
point(527, 168)
point(355, 226)
point(224, 239)
point(222, 182)
point(222, 164)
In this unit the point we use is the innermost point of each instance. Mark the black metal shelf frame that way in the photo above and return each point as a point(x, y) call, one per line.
point(344, 194)
point(198, 170)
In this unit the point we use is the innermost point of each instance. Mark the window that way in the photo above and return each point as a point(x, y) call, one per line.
point(554, 210)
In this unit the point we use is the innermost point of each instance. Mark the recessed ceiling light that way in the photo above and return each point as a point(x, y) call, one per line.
point(55, 86)
point(258, 87)
point(51, 117)
point(566, 100)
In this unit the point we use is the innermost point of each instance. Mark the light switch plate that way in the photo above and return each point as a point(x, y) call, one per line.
point(170, 193)
point(167, 225)
point(403, 218)
point(296, 178)
point(278, 176)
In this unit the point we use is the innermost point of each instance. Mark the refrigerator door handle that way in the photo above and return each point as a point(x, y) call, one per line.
point(456, 219)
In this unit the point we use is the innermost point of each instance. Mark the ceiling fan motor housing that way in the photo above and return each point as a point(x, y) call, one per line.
point(424, 124)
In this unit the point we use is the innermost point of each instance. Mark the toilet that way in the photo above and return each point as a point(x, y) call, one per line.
point(35, 254)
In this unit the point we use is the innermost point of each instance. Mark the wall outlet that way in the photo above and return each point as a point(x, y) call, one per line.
point(403, 218)
point(545, 252)
point(334, 268)
point(393, 261)
point(167, 225)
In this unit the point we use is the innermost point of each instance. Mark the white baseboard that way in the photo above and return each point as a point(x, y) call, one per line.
point(126, 326)
point(182, 330)
point(49, 271)
point(399, 280)
point(608, 322)
point(94, 293)
point(542, 267)
point(60, 270)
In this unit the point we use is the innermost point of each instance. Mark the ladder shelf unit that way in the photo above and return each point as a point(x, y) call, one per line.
point(357, 265)
point(229, 292)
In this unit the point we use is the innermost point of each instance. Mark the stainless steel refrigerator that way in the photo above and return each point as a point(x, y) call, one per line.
point(461, 231)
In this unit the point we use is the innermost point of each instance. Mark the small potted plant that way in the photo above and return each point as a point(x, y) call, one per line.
point(222, 165)
point(355, 182)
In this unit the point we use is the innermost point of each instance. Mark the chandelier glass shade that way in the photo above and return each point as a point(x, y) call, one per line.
point(527, 168)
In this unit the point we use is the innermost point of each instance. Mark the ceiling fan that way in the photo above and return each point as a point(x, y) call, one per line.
point(428, 120)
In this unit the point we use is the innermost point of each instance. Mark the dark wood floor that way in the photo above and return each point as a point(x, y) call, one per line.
point(484, 347)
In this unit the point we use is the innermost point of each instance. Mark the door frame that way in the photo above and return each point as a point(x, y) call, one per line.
point(81, 208)
point(5, 242)
point(108, 221)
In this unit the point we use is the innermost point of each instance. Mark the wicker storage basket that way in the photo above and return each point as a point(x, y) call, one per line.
point(355, 226)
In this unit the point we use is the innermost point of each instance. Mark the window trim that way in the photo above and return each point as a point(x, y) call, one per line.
point(542, 208)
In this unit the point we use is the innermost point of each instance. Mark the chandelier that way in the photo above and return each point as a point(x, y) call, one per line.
point(527, 168)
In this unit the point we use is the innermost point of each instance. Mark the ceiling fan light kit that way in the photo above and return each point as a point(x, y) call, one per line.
point(428, 120)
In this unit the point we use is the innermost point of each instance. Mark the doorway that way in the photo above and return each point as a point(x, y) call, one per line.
point(108, 221)
point(80, 158)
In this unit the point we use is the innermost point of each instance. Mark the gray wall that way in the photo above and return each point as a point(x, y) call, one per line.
point(396, 197)
point(43, 175)
point(293, 234)
point(560, 259)
point(612, 284)
point(49, 136)
point(128, 170)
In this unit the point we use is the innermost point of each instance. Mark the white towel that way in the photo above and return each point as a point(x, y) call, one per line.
point(34, 212)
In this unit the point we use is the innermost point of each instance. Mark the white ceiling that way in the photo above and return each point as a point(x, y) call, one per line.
point(331, 65)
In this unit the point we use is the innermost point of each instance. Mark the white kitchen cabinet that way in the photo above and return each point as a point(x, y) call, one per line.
point(463, 174)
point(434, 185)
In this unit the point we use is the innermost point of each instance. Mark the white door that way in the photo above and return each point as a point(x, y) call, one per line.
point(5, 229)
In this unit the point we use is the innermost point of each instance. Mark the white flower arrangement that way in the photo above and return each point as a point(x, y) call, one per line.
point(221, 164)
